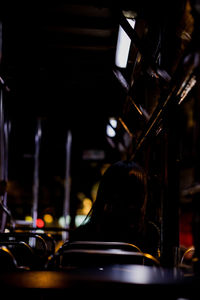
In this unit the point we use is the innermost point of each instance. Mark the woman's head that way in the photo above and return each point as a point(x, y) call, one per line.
point(122, 194)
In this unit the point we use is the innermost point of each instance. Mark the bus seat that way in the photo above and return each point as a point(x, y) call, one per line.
point(7, 260)
point(87, 253)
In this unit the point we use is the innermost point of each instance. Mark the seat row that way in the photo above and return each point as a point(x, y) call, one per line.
point(25, 250)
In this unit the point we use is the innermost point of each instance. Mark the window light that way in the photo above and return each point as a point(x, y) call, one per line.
point(123, 45)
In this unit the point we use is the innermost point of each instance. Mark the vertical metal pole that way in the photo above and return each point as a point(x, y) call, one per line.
point(196, 197)
point(6, 140)
point(2, 161)
point(4, 133)
point(1, 41)
point(66, 206)
point(2, 168)
point(36, 173)
point(170, 199)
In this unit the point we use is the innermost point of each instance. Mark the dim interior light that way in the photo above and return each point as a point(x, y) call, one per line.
point(123, 46)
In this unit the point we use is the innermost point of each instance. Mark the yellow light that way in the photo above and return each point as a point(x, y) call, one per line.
point(87, 203)
point(48, 218)
point(28, 219)
point(86, 206)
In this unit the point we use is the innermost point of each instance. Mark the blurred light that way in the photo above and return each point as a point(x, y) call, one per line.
point(113, 122)
point(28, 219)
point(93, 154)
point(87, 205)
point(187, 88)
point(62, 222)
point(48, 218)
point(39, 231)
point(39, 223)
point(110, 131)
point(79, 220)
point(94, 191)
point(80, 196)
point(123, 46)
point(122, 80)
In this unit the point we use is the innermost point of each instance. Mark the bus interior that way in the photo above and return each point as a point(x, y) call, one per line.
point(73, 101)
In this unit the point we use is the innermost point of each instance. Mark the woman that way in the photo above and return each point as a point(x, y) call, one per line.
point(118, 214)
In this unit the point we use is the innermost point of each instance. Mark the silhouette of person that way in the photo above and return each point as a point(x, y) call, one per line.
point(118, 213)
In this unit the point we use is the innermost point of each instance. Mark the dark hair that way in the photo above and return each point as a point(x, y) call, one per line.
point(124, 183)
point(118, 214)
point(119, 209)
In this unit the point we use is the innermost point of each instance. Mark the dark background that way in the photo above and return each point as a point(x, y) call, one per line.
point(58, 61)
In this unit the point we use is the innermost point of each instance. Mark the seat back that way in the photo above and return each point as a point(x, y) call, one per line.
point(7, 260)
point(95, 253)
point(29, 247)
point(101, 245)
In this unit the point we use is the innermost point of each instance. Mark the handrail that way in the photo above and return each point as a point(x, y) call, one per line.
point(19, 251)
point(12, 261)
point(102, 244)
point(21, 243)
point(192, 248)
point(111, 254)
point(97, 251)
point(24, 235)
